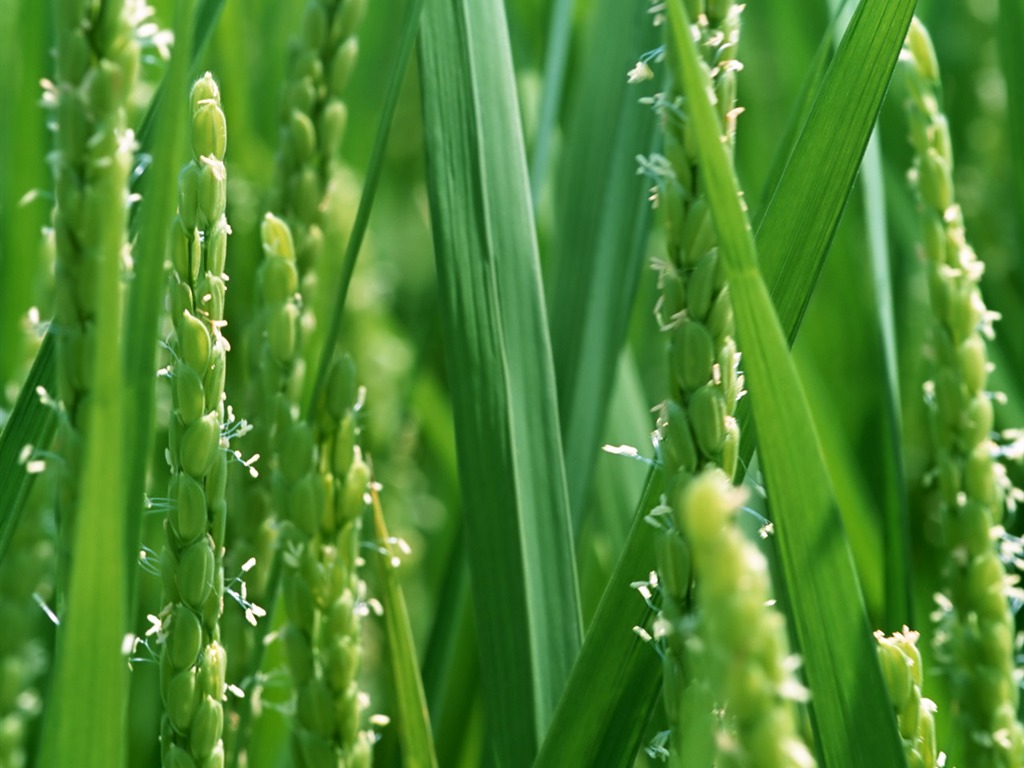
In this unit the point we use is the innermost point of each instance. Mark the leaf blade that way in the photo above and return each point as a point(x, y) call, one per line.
point(413, 718)
point(851, 708)
point(499, 359)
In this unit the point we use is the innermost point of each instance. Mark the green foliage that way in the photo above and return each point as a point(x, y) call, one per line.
point(518, 534)
point(501, 322)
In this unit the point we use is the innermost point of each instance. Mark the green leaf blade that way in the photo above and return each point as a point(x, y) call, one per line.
point(499, 358)
point(851, 708)
point(797, 218)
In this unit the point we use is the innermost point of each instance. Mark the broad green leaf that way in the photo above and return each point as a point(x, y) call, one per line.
point(601, 226)
point(852, 717)
point(864, 528)
point(887, 416)
point(797, 118)
point(516, 512)
point(804, 209)
point(413, 720)
point(834, 136)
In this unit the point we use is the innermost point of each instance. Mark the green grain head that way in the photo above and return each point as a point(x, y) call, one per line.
point(976, 640)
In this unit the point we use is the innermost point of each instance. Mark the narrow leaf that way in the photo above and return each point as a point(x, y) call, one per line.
point(616, 680)
point(29, 428)
point(413, 719)
point(601, 230)
point(799, 217)
point(882, 324)
point(850, 703)
point(499, 360)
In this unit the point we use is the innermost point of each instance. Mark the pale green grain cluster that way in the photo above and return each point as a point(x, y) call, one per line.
point(322, 484)
point(746, 650)
point(314, 117)
point(97, 64)
point(976, 636)
point(274, 340)
point(193, 660)
point(696, 423)
point(901, 665)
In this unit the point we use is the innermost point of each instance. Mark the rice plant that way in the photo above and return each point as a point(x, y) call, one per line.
point(371, 474)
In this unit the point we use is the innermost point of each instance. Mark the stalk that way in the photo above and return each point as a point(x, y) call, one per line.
point(313, 123)
point(193, 661)
point(97, 64)
point(316, 493)
point(745, 670)
point(274, 341)
point(975, 633)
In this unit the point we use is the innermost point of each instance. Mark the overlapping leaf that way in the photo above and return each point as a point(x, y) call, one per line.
point(853, 723)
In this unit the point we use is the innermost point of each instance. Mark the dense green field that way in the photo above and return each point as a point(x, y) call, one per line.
point(466, 317)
